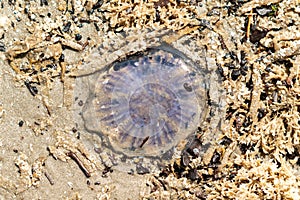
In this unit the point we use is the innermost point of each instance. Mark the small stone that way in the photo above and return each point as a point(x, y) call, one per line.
point(21, 123)
point(2, 47)
point(263, 11)
point(142, 170)
point(78, 37)
point(67, 27)
point(193, 174)
point(235, 74)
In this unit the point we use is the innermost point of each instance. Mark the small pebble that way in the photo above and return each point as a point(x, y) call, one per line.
point(62, 58)
point(263, 96)
point(142, 170)
point(2, 47)
point(80, 103)
point(193, 174)
point(235, 74)
point(243, 72)
point(67, 27)
point(263, 11)
point(78, 37)
point(44, 2)
point(226, 141)
point(97, 183)
point(260, 113)
point(21, 123)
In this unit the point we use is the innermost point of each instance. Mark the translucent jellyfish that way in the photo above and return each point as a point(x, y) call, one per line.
point(147, 103)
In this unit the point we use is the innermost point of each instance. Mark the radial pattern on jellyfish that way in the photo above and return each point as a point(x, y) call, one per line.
point(146, 104)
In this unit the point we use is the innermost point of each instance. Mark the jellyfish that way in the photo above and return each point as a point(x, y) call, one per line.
point(147, 103)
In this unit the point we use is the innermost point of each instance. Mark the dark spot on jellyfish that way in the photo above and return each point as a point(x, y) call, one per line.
point(116, 67)
point(146, 104)
point(188, 87)
point(144, 141)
